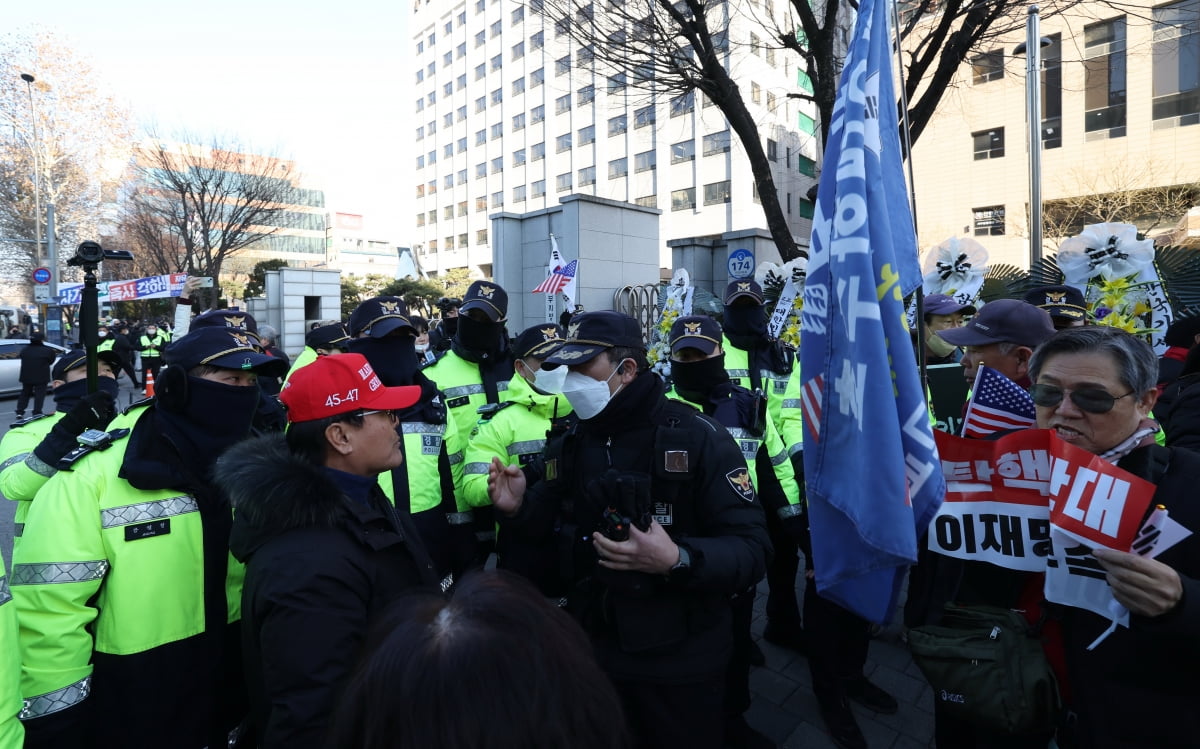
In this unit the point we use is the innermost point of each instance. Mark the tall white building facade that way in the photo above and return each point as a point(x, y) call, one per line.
point(511, 115)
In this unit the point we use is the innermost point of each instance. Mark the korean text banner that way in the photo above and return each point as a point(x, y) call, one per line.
point(861, 395)
point(151, 287)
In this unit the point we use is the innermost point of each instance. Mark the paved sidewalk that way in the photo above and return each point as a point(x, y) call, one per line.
point(785, 709)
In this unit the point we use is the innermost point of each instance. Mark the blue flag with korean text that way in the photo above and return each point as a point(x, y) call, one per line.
point(873, 475)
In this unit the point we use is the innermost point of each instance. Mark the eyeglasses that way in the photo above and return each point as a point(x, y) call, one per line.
point(390, 414)
point(1092, 400)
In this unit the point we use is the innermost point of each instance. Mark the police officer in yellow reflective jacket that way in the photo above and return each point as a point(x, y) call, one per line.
point(30, 452)
point(428, 480)
point(128, 598)
point(476, 371)
point(515, 430)
point(11, 732)
point(151, 344)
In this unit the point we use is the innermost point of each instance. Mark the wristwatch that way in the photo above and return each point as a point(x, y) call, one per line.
point(683, 568)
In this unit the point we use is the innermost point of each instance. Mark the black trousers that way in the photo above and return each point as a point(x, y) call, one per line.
point(127, 368)
point(150, 364)
point(782, 608)
point(838, 641)
point(37, 391)
point(688, 716)
point(737, 673)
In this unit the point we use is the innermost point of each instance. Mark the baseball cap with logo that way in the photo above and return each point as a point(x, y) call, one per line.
point(333, 335)
point(590, 333)
point(538, 341)
point(1059, 301)
point(222, 347)
point(335, 385)
point(226, 318)
point(943, 304)
point(745, 289)
point(1003, 321)
point(379, 316)
point(695, 331)
point(78, 358)
point(488, 297)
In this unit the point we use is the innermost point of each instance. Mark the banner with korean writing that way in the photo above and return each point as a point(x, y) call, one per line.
point(151, 287)
point(1029, 501)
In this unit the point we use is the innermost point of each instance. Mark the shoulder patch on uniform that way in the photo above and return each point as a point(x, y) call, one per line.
point(739, 479)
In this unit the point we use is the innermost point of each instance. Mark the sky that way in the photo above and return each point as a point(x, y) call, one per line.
point(324, 83)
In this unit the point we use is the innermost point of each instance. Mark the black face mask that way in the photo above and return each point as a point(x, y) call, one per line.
point(696, 380)
point(746, 320)
point(449, 326)
point(68, 394)
point(478, 336)
point(214, 417)
point(394, 359)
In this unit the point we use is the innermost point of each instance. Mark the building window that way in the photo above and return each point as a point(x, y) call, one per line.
point(562, 65)
point(461, 82)
point(519, 157)
point(420, 76)
point(644, 161)
point(420, 191)
point(643, 117)
point(683, 104)
point(716, 143)
point(448, 151)
point(1176, 87)
point(518, 50)
point(562, 143)
point(518, 15)
point(617, 83)
point(448, 212)
point(537, 77)
point(421, 132)
point(481, 170)
point(497, 165)
point(433, 217)
point(421, 219)
point(496, 27)
point(461, 114)
point(518, 122)
point(481, 39)
point(462, 176)
point(420, 162)
point(480, 137)
point(481, 237)
point(755, 93)
point(539, 189)
point(587, 135)
point(537, 152)
point(1052, 93)
point(683, 151)
point(562, 104)
point(431, 158)
point(420, 105)
point(562, 26)
point(498, 130)
point(462, 241)
point(617, 125)
point(448, 59)
point(587, 176)
point(480, 104)
point(585, 55)
point(497, 62)
point(480, 71)
point(987, 66)
point(481, 204)
point(806, 166)
point(519, 194)
point(682, 200)
point(462, 208)
point(989, 221)
point(497, 96)
point(562, 182)
point(537, 114)
point(1104, 78)
point(460, 51)
point(538, 40)
point(989, 144)
point(518, 86)
point(497, 199)
point(772, 150)
point(618, 168)
point(448, 120)
point(717, 192)
point(587, 95)
point(648, 201)
point(433, 245)
point(431, 187)
point(420, 47)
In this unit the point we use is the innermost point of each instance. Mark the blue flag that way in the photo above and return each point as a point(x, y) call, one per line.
point(873, 474)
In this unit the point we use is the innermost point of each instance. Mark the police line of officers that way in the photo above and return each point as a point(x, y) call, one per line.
point(151, 613)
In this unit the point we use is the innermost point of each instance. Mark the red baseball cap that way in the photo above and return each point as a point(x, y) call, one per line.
point(340, 384)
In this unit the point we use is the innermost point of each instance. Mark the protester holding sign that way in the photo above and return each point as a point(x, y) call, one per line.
point(1094, 388)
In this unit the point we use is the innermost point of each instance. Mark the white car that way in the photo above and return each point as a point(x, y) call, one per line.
point(10, 364)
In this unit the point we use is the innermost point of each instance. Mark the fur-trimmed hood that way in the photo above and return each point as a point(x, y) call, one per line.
point(273, 491)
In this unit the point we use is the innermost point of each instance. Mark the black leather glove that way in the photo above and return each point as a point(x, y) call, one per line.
point(93, 411)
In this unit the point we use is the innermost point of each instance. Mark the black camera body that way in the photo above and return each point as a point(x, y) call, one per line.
point(446, 304)
point(91, 254)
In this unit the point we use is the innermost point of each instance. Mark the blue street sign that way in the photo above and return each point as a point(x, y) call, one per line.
point(741, 264)
point(41, 275)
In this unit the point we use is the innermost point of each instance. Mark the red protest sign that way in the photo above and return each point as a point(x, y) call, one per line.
point(1094, 500)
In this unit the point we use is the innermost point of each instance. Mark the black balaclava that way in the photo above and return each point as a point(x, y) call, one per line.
point(68, 394)
point(479, 337)
point(214, 417)
point(746, 325)
point(696, 380)
point(449, 327)
point(394, 358)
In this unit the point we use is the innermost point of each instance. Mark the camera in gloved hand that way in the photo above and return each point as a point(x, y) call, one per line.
point(625, 500)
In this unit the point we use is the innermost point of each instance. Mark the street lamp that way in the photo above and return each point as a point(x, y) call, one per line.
point(37, 170)
point(1031, 48)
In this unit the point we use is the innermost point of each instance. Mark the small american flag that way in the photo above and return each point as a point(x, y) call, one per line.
point(558, 279)
point(811, 397)
point(997, 404)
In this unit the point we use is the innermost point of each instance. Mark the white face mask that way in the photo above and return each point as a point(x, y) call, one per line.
point(421, 347)
point(550, 381)
point(588, 397)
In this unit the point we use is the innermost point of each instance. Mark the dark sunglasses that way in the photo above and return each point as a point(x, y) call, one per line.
point(1092, 400)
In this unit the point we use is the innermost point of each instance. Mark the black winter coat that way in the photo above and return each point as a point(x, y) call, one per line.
point(319, 567)
point(36, 360)
point(1178, 412)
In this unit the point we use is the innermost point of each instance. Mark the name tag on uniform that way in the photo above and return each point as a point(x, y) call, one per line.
point(749, 449)
point(148, 530)
point(780, 387)
point(431, 444)
point(664, 513)
point(456, 402)
point(675, 461)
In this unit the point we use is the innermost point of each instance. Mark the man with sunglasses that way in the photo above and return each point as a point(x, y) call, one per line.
point(1095, 387)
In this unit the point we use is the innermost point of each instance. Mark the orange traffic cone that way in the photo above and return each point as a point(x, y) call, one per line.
point(149, 389)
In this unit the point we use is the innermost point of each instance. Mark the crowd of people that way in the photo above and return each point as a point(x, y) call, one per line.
point(455, 536)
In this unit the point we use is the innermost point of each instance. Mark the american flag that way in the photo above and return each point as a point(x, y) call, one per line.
point(812, 394)
point(558, 279)
point(997, 404)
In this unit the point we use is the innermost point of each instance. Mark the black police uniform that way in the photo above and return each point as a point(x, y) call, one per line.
point(664, 640)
